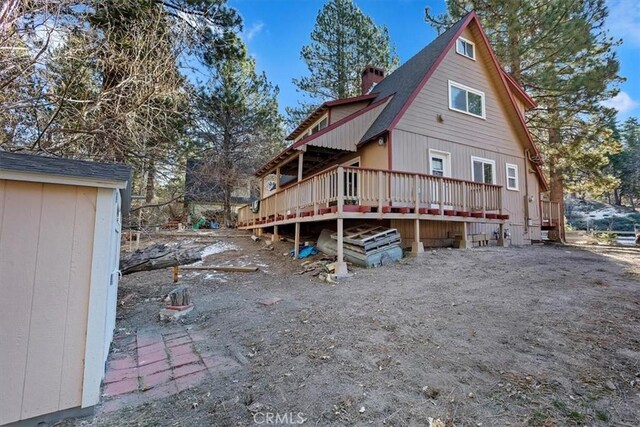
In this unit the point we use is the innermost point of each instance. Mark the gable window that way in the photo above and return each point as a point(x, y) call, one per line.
point(483, 170)
point(466, 100)
point(321, 125)
point(512, 177)
point(466, 48)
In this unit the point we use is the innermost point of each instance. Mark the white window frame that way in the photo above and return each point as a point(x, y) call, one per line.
point(468, 89)
point(515, 168)
point(462, 53)
point(483, 160)
point(446, 163)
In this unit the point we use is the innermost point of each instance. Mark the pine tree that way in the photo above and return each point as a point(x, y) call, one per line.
point(626, 165)
point(561, 53)
point(343, 42)
point(238, 125)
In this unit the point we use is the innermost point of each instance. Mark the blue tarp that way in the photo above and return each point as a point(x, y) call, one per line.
point(305, 251)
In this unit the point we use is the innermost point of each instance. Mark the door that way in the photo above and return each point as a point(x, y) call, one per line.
point(114, 272)
point(439, 165)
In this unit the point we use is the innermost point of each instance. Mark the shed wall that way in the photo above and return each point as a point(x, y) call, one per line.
point(46, 248)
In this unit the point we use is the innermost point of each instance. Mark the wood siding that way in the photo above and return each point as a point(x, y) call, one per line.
point(346, 136)
point(339, 112)
point(46, 247)
point(498, 137)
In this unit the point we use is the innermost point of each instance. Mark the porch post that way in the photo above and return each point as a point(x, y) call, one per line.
point(341, 266)
point(278, 178)
point(417, 247)
point(300, 164)
point(464, 244)
point(275, 236)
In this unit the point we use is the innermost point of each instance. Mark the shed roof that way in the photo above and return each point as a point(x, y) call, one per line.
point(80, 172)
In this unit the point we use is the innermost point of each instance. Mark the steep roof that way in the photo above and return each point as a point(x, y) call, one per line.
point(404, 80)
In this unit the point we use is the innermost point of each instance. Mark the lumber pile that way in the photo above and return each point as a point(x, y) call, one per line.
point(364, 245)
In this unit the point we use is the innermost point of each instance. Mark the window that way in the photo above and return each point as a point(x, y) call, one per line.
point(466, 99)
point(512, 177)
point(439, 162)
point(483, 170)
point(321, 125)
point(466, 48)
point(437, 166)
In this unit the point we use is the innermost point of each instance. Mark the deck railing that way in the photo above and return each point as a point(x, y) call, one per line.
point(342, 185)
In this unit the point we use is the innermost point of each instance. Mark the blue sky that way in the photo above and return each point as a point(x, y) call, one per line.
point(276, 30)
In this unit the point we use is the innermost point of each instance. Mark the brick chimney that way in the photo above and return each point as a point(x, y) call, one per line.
point(371, 76)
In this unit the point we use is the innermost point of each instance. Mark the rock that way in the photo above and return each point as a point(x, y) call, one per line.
point(255, 407)
point(170, 315)
point(610, 385)
point(362, 409)
point(270, 301)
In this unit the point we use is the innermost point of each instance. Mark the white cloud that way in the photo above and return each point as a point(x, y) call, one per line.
point(253, 31)
point(624, 20)
point(622, 102)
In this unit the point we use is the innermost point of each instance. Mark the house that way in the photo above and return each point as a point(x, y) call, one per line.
point(59, 251)
point(438, 149)
point(203, 188)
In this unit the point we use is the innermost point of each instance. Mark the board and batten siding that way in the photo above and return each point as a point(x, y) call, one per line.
point(497, 137)
point(347, 135)
point(339, 112)
point(46, 250)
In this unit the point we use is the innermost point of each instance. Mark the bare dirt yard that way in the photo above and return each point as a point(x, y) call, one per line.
point(532, 336)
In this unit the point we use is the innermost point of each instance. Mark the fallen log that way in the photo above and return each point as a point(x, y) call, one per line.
point(231, 268)
point(157, 257)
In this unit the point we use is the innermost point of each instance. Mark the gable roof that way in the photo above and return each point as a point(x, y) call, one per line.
point(323, 108)
point(69, 171)
point(404, 81)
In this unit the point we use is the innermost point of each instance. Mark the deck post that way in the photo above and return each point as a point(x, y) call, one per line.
point(380, 192)
point(340, 190)
point(501, 240)
point(278, 178)
point(296, 241)
point(417, 247)
point(275, 236)
point(341, 266)
point(465, 244)
point(314, 195)
point(441, 196)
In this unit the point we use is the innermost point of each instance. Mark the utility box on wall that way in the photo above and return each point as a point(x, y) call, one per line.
point(60, 224)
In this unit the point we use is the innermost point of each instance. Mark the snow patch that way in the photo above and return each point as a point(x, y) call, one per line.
point(217, 248)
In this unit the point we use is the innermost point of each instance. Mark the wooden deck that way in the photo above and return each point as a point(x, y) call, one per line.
point(355, 193)
point(550, 214)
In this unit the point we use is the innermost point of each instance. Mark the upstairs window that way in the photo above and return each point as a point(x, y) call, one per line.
point(483, 170)
point(512, 177)
point(466, 48)
point(466, 100)
point(321, 125)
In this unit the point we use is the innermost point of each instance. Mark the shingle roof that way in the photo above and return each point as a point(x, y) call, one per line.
point(31, 163)
point(404, 80)
point(18, 162)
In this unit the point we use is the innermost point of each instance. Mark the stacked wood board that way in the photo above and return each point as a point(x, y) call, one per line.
point(364, 245)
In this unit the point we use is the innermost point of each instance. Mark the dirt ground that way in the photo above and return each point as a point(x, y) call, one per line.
point(535, 336)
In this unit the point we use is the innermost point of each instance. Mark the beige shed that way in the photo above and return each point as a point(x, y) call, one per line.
point(60, 223)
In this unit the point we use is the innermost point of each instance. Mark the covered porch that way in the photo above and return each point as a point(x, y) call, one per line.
point(342, 192)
